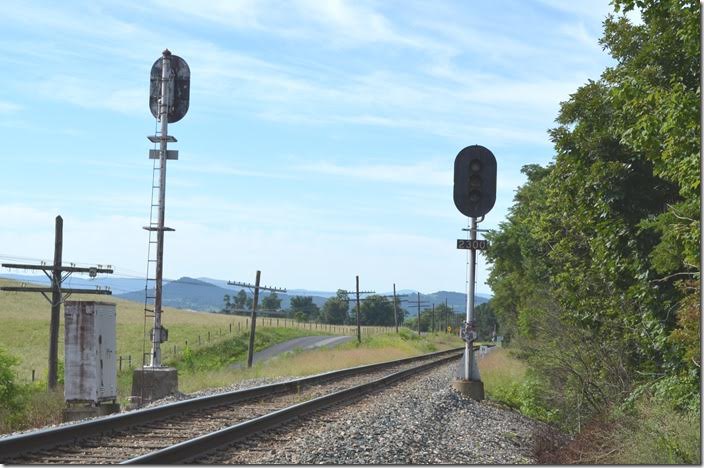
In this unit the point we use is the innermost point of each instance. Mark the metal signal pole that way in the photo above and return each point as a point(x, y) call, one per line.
point(163, 118)
point(471, 266)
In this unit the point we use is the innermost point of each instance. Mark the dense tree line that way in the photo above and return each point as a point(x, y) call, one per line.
point(595, 271)
point(338, 310)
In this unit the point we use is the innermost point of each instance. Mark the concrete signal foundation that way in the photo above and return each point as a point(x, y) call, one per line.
point(473, 389)
point(153, 383)
point(78, 412)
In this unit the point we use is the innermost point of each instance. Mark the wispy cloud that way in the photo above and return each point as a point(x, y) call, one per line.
point(9, 107)
point(229, 169)
point(414, 174)
point(93, 94)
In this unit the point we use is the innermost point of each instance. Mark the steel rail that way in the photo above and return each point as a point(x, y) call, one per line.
point(22, 444)
point(187, 451)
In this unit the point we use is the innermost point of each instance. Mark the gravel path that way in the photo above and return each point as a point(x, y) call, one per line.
point(303, 342)
point(421, 421)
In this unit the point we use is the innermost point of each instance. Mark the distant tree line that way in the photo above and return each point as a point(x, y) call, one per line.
point(374, 310)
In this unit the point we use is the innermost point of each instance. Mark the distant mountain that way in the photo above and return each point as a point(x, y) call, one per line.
point(454, 299)
point(206, 294)
point(185, 293)
point(198, 294)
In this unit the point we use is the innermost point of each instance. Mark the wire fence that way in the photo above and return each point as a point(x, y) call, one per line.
point(126, 362)
point(220, 334)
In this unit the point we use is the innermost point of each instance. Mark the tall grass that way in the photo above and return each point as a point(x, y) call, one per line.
point(656, 433)
point(652, 431)
point(509, 381)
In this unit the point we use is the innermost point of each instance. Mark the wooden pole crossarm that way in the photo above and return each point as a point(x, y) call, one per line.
point(48, 290)
point(70, 269)
point(251, 286)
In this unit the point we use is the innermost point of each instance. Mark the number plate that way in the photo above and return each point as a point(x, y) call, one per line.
point(479, 244)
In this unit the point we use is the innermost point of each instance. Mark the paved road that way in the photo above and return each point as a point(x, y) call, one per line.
point(304, 342)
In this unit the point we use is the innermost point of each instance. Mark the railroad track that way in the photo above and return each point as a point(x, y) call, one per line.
point(185, 430)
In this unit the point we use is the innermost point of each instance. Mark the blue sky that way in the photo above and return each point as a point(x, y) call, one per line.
point(319, 141)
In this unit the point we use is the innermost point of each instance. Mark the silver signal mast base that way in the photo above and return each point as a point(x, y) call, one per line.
point(469, 383)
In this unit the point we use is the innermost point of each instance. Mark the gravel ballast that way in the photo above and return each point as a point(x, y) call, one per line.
point(420, 421)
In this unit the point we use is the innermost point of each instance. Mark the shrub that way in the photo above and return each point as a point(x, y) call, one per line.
point(13, 396)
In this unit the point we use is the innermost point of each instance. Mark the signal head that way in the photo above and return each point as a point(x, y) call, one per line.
point(474, 191)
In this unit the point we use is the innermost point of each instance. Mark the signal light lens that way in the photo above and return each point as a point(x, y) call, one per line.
point(474, 196)
point(475, 166)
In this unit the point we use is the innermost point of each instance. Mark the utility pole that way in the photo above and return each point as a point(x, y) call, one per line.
point(57, 273)
point(395, 298)
point(395, 311)
point(433, 318)
point(359, 331)
point(253, 326)
point(418, 304)
point(358, 292)
point(446, 315)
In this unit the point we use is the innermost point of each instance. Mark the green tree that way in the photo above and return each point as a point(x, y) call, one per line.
point(271, 301)
point(486, 321)
point(10, 391)
point(376, 310)
point(304, 309)
point(227, 305)
point(335, 309)
point(241, 301)
point(443, 316)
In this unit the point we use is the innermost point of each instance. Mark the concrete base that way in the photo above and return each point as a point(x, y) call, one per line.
point(152, 383)
point(75, 413)
point(473, 389)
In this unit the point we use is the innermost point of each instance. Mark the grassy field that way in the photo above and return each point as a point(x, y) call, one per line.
point(206, 347)
point(25, 319)
point(25, 329)
point(373, 349)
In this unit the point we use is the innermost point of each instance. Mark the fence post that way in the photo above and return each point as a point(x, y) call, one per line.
point(208, 336)
point(129, 360)
point(120, 366)
point(32, 375)
point(198, 340)
point(230, 329)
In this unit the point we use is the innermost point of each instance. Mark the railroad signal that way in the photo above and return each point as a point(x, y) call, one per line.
point(474, 190)
point(178, 87)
